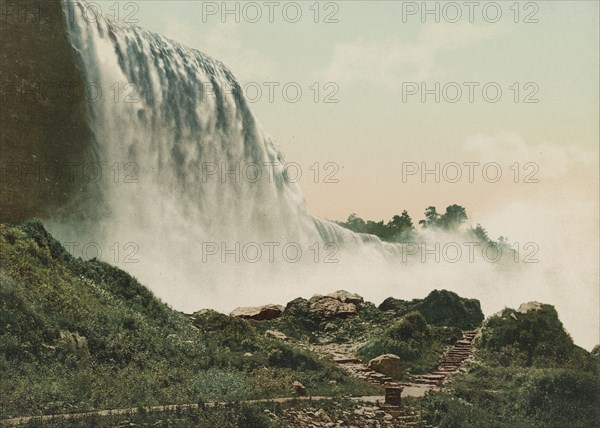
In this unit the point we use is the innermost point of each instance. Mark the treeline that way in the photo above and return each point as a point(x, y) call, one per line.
point(401, 228)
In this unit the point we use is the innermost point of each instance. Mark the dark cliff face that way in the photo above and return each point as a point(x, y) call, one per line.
point(44, 140)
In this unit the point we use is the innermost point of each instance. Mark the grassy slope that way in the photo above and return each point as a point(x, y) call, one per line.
point(528, 373)
point(139, 351)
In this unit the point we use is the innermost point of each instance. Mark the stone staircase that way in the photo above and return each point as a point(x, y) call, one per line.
point(454, 358)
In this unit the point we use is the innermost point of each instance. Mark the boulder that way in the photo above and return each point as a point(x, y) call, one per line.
point(299, 389)
point(73, 343)
point(347, 297)
point(274, 334)
point(387, 364)
point(324, 307)
point(297, 308)
point(258, 313)
point(529, 307)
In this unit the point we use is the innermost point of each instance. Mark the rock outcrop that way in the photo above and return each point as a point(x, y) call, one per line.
point(324, 307)
point(530, 306)
point(335, 305)
point(258, 313)
point(45, 141)
point(297, 308)
point(347, 297)
point(440, 307)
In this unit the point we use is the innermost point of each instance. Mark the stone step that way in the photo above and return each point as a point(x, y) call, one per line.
point(346, 360)
point(433, 376)
point(426, 381)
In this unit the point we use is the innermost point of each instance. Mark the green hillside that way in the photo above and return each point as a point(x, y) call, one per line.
point(79, 335)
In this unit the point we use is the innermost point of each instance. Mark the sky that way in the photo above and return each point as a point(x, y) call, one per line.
point(514, 129)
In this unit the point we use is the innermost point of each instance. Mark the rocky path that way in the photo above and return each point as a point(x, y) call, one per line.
point(344, 356)
point(362, 415)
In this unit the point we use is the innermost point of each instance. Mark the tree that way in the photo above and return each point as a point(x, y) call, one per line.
point(400, 225)
point(453, 218)
point(481, 234)
point(355, 223)
point(432, 218)
point(377, 228)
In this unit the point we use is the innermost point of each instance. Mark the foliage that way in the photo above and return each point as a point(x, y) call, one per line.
point(441, 308)
point(401, 229)
point(398, 229)
point(528, 373)
point(418, 345)
point(536, 337)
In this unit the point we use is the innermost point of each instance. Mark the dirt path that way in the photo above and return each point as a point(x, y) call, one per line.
point(162, 409)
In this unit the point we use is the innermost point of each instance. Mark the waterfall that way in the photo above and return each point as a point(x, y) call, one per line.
point(184, 162)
